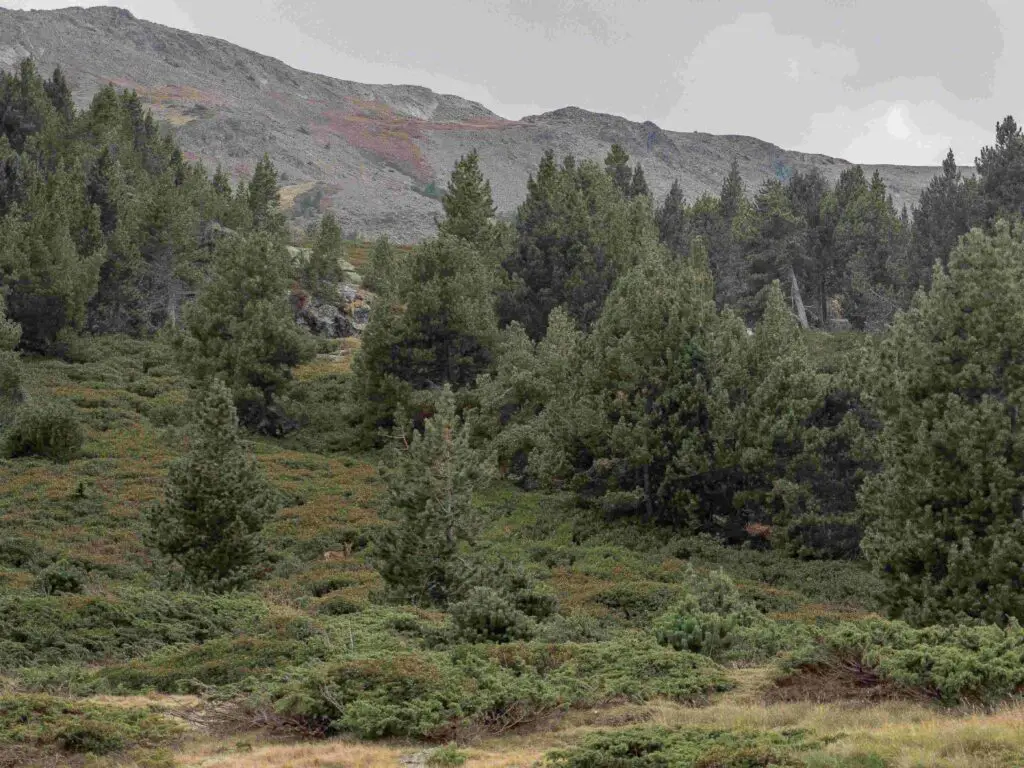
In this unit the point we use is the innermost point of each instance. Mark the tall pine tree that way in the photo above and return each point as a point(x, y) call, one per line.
point(216, 503)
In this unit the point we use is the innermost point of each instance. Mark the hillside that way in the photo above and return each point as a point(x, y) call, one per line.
point(377, 154)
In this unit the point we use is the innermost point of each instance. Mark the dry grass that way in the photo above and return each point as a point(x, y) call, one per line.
point(290, 193)
point(334, 364)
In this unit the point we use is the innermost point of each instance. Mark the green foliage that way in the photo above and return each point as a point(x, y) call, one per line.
point(264, 198)
point(1001, 171)
point(954, 664)
point(39, 631)
point(946, 534)
point(80, 727)
point(468, 205)
point(382, 272)
point(446, 756)
point(485, 615)
point(102, 223)
point(433, 694)
point(659, 747)
point(62, 577)
point(216, 503)
point(436, 328)
point(49, 429)
point(322, 272)
point(949, 207)
point(575, 233)
point(241, 329)
point(11, 393)
point(430, 486)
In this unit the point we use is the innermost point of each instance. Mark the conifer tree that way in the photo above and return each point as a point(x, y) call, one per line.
point(1001, 171)
point(264, 198)
point(241, 329)
point(946, 533)
point(59, 92)
point(382, 273)
point(575, 233)
point(948, 208)
point(322, 271)
point(430, 484)
point(216, 502)
point(616, 163)
point(673, 221)
point(436, 327)
point(638, 186)
point(468, 205)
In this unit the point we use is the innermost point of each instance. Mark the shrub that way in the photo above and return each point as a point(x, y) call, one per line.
point(61, 577)
point(37, 630)
point(79, 726)
point(431, 694)
point(48, 429)
point(446, 756)
point(959, 664)
point(487, 616)
point(656, 747)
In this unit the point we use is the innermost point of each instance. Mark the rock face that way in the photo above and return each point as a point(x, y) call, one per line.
point(378, 155)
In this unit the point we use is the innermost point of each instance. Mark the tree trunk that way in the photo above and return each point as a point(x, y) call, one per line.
point(798, 302)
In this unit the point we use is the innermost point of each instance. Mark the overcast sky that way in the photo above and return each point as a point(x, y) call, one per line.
point(873, 81)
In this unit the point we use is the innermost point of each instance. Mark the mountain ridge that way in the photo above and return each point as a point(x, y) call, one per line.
point(376, 154)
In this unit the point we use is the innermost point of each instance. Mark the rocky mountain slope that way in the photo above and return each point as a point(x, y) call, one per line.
point(377, 154)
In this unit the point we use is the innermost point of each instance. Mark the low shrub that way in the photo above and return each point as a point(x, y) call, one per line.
point(80, 727)
point(955, 665)
point(61, 577)
point(447, 756)
point(435, 694)
point(655, 747)
point(487, 616)
point(48, 429)
point(713, 619)
point(58, 629)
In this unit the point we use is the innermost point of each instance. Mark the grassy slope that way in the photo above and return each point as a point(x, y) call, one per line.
point(131, 401)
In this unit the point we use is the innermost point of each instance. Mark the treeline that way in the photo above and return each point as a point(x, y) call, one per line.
point(591, 348)
point(105, 227)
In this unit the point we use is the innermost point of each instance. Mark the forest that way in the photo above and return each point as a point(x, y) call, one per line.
point(614, 482)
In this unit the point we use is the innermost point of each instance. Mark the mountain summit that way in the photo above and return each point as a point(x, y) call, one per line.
point(379, 155)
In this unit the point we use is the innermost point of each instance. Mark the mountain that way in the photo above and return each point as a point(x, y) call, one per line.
point(379, 155)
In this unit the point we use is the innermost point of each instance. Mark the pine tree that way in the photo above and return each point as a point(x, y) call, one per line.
point(468, 205)
point(946, 533)
point(638, 187)
point(575, 233)
point(947, 209)
point(1001, 171)
point(430, 484)
point(437, 327)
point(216, 502)
point(264, 198)
point(322, 271)
point(616, 163)
point(733, 192)
point(59, 92)
point(673, 221)
point(773, 238)
point(241, 329)
point(382, 273)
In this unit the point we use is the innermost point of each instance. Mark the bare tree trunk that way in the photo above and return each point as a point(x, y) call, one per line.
point(798, 302)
